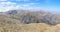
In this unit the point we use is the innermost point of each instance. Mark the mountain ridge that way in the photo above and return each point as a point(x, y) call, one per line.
point(26, 17)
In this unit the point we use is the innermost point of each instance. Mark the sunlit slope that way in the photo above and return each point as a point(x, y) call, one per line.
point(41, 27)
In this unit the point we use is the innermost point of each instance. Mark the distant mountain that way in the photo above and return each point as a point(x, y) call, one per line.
point(12, 12)
point(26, 17)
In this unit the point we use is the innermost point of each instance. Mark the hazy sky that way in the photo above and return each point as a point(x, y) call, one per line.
point(6, 5)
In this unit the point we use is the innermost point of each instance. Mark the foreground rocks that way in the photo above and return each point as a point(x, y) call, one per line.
point(40, 27)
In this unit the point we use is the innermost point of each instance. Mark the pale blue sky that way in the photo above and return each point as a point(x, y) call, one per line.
point(50, 5)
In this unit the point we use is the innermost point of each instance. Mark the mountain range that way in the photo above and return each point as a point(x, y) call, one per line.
point(27, 17)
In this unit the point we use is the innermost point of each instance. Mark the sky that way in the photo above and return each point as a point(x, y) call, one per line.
point(51, 5)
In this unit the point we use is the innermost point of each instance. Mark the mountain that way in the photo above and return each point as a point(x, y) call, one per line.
point(27, 17)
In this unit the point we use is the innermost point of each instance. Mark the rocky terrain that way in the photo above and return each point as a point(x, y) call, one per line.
point(26, 21)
